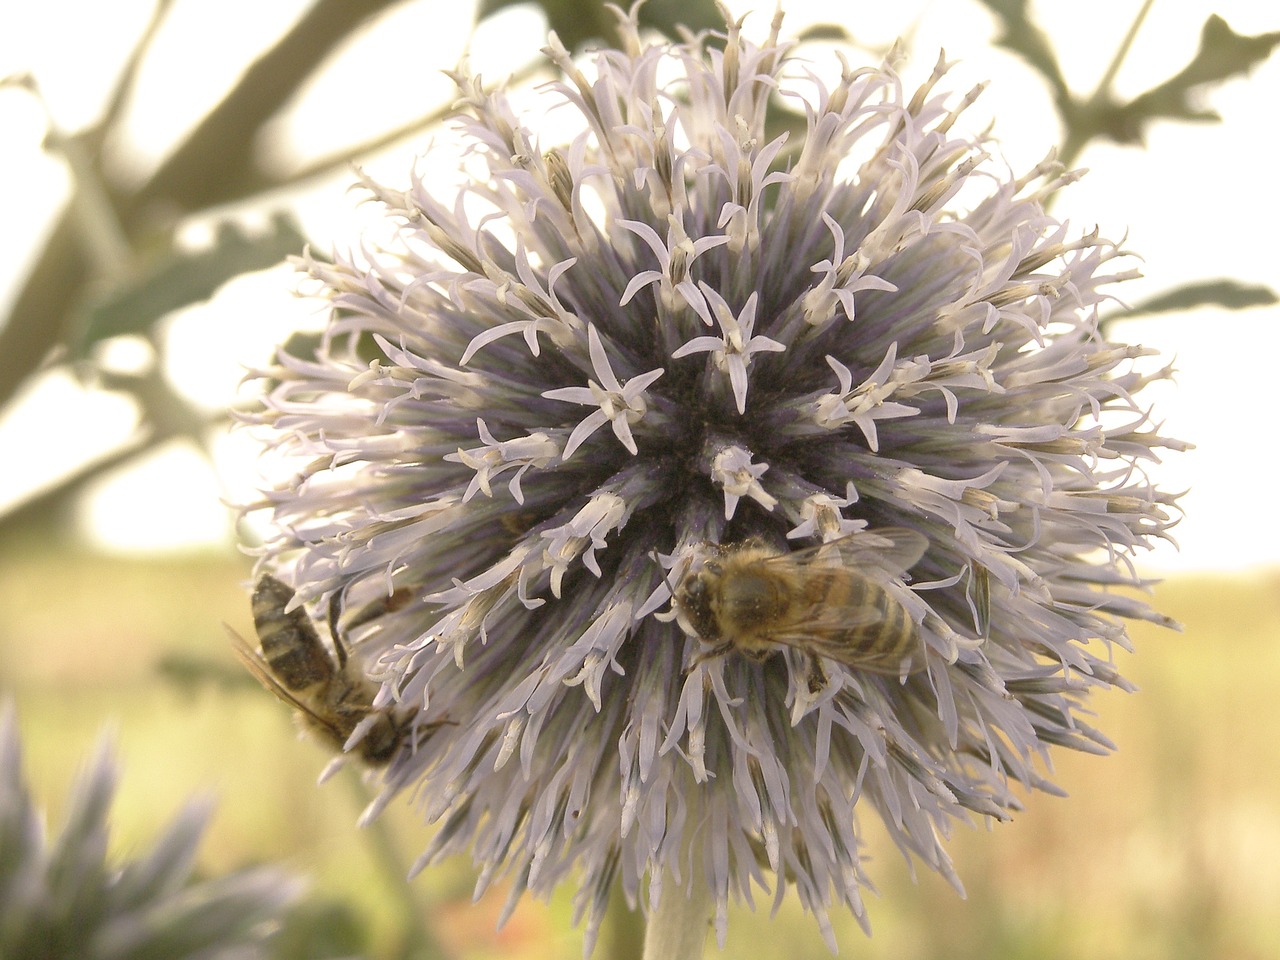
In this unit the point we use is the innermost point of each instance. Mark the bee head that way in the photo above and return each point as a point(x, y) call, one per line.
point(694, 601)
point(381, 742)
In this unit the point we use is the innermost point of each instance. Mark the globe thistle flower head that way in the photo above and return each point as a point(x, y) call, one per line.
point(608, 358)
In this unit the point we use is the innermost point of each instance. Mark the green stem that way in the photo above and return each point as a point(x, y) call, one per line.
point(352, 154)
point(678, 925)
point(1078, 137)
point(420, 940)
point(623, 928)
point(101, 233)
point(1104, 85)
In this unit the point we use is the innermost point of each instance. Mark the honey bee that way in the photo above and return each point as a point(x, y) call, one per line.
point(825, 601)
point(331, 699)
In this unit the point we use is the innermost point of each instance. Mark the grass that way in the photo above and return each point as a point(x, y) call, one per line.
point(1169, 849)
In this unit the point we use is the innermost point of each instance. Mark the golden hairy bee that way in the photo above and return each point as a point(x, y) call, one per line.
point(825, 601)
point(331, 696)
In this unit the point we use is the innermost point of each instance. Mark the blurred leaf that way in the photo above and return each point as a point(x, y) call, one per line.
point(181, 278)
point(213, 165)
point(668, 15)
point(188, 672)
point(780, 119)
point(318, 928)
point(1230, 294)
point(1023, 37)
point(1223, 54)
point(306, 344)
point(824, 31)
point(577, 22)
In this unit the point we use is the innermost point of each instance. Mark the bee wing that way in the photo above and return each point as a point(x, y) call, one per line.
point(889, 551)
point(822, 639)
point(889, 664)
point(820, 631)
point(254, 663)
point(879, 554)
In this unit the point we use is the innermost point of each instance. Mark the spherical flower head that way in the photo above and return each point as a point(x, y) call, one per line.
point(677, 330)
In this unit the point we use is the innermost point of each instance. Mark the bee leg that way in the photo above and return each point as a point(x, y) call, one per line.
point(719, 650)
point(816, 677)
point(335, 611)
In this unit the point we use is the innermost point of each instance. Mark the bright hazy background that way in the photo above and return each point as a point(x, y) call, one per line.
point(1200, 203)
point(1178, 837)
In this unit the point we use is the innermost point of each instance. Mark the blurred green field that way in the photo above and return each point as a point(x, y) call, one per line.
point(1169, 849)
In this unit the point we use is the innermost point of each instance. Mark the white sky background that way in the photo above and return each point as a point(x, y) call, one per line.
point(1200, 203)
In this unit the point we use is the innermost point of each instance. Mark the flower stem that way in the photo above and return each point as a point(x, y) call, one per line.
point(105, 242)
point(420, 942)
point(1104, 85)
point(677, 928)
point(1078, 137)
point(624, 928)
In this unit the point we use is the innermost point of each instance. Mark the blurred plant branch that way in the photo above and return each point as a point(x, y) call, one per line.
point(111, 264)
point(213, 166)
point(77, 270)
point(1223, 54)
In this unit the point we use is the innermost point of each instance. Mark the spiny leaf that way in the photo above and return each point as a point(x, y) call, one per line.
point(181, 278)
point(577, 22)
point(669, 15)
point(1223, 54)
point(1229, 294)
point(1023, 37)
point(188, 673)
point(824, 31)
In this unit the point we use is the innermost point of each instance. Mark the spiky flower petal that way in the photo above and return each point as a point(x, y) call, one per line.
point(787, 338)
